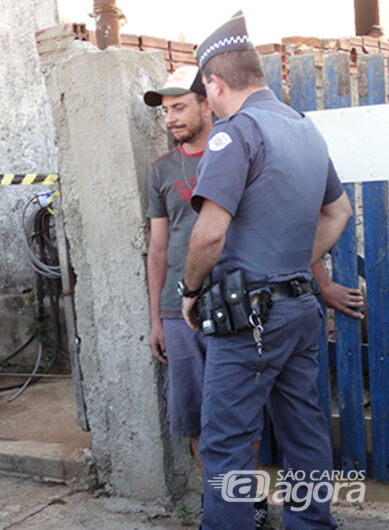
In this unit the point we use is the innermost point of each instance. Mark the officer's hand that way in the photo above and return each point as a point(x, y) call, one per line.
point(189, 310)
point(157, 342)
point(342, 298)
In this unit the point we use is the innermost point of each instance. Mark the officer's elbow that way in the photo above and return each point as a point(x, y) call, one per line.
point(209, 240)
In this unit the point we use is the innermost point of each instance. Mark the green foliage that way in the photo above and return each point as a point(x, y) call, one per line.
point(39, 326)
point(184, 516)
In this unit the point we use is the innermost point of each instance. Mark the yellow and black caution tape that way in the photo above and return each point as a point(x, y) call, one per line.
point(50, 201)
point(25, 180)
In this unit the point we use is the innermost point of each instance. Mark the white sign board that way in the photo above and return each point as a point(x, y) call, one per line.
point(358, 141)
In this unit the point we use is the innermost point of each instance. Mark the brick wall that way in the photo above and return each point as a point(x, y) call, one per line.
point(176, 53)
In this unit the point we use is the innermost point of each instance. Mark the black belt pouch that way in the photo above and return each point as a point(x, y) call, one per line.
point(237, 299)
point(221, 316)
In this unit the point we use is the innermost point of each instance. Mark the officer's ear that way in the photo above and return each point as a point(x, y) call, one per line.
point(219, 85)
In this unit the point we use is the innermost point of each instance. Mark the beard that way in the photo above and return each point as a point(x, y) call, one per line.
point(191, 133)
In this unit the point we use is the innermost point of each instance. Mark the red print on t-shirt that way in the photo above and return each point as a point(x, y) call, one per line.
point(186, 187)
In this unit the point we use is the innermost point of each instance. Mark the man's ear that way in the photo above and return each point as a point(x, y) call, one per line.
point(219, 84)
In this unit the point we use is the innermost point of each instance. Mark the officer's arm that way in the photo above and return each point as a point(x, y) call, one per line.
point(205, 247)
point(156, 273)
point(206, 243)
point(332, 222)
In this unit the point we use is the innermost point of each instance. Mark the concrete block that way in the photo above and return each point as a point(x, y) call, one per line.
point(107, 141)
point(45, 461)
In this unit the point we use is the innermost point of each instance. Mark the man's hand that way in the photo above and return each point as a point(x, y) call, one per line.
point(342, 298)
point(157, 342)
point(189, 310)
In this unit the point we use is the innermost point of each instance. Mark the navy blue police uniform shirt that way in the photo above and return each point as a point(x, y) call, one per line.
point(272, 173)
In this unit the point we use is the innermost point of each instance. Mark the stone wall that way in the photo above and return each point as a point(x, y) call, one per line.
point(26, 146)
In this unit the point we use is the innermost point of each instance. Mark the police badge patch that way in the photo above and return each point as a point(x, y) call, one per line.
point(219, 141)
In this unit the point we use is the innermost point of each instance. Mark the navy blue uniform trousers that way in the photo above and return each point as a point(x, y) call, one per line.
point(233, 399)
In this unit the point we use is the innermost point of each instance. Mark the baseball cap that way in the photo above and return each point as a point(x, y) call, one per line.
point(182, 81)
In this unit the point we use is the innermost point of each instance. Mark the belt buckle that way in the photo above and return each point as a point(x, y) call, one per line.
point(295, 288)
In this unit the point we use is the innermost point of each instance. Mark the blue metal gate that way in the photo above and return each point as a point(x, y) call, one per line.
point(354, 363)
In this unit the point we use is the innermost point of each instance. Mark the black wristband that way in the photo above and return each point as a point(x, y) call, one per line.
point(184, 291)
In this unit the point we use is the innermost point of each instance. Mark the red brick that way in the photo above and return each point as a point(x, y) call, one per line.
point(177, 46)
point(303, 50)
point(371, 49)
point(129, 40)
point(329, 44)
point(318, 57)
point(265, 49)
point(370, 41)
point(187, 58)
point(54, 32)
point(384, 46)
point(153, 42)
point(129, 46)
point(344, 44)
point(92, 37)
point(356, 41)
point(298, 41)
point(166, 54)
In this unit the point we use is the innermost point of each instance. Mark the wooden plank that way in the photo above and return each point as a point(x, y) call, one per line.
point(271, 65)
point(337, 94)
point(376, 228)
point(302, 80)
point(371, 79)
point(348, 352)
point(336, 80)
point(371, 87)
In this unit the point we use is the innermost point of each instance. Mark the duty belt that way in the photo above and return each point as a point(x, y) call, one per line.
point(227, 306)
point(288, 289)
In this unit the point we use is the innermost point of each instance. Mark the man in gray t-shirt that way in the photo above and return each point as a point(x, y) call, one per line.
point(171, 182)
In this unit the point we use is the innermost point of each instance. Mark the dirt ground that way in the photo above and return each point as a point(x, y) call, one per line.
point(45, 414)
point(28, 505)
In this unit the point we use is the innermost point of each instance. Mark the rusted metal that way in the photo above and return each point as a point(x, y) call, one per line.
point(108, 19)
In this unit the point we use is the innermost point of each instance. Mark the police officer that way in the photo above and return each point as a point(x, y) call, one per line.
point(265, 187)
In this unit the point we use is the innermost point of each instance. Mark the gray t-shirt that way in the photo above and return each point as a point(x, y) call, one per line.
point(172, 180)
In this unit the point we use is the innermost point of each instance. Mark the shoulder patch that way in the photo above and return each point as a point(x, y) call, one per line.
point(219, 141)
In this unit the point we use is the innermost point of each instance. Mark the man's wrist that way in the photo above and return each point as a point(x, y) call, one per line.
point(185, 292)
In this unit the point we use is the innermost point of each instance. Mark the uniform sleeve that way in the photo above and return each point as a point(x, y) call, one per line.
point(223, 170)
point(334, 188)
point(156, 206)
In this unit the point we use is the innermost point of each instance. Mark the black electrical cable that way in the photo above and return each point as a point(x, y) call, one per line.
point(42, 253)
point(20, 349)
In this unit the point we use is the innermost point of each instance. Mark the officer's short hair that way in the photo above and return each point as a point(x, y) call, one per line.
point(239, 69)
point(200, 98)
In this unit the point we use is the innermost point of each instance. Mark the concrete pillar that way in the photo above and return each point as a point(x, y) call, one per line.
point(107, 139)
